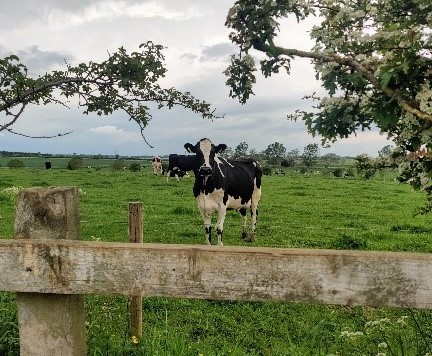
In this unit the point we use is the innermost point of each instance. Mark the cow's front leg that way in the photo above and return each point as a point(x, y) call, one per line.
point(207, 227)
point(244, 222)
point(254, 216)
point(220, 223)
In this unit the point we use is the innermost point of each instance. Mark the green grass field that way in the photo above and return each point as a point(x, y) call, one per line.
point(301, 211)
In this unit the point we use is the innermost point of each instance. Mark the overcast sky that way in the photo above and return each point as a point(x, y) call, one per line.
point(46, 33)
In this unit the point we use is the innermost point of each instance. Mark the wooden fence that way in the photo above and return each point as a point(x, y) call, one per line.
point(51, 271)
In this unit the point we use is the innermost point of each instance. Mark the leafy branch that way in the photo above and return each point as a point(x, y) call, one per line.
point(126, 82)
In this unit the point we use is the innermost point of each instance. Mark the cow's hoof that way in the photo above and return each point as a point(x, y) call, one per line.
point(250, 238)
point(220, 243)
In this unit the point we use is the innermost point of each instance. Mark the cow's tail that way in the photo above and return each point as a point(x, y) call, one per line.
point(258, 175)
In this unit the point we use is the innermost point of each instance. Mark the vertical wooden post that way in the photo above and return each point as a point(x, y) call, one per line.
point(50, 324)
point(135, 302)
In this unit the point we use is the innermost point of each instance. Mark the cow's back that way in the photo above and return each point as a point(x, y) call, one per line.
point(242, 176)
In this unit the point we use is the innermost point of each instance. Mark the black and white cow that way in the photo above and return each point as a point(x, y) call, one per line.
point(177, 173)
point(179, 165)
point(222, 184)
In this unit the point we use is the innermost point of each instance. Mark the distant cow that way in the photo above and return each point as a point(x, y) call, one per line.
point(179, 165)
point(177, 173)
point(222, 184)
point(157, 165)
point(47, 165)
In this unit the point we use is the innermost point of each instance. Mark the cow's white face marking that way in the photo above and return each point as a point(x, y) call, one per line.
point(205, 147)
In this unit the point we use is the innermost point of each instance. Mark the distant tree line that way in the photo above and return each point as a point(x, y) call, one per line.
point(276, 154)
point(64, 155)
point(77, 162)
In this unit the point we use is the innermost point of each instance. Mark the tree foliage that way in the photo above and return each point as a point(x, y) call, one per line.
point(241, 150)
point(126, 82)
point(15, 163)
point(310, 154)
point(75, 163)
point(118, 164)
point(373, 58)
point(275, 152)
point(135, 167)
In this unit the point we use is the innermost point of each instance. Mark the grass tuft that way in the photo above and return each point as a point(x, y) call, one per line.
point(346, 242)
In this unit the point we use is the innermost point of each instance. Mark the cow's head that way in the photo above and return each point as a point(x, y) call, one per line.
point(205, 153)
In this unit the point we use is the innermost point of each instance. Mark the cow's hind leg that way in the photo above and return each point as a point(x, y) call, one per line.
point(254, 212)
point(244, 222)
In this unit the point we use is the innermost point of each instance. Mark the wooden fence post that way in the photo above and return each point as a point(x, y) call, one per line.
point(50, 324)
point(135, 302)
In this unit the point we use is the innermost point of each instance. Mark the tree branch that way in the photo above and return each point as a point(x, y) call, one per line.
point(31, 136)
point(15, 118)
point(275, 51)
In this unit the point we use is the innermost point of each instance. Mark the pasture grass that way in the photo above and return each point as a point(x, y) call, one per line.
point(301, 211)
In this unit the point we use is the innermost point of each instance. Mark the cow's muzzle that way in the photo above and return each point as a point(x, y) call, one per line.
point(205, 171)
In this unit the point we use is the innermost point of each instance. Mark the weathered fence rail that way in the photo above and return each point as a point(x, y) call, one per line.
point(50, 271)
point(207, 272)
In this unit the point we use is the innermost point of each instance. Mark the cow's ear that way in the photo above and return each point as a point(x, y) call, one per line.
point(220, 148)
point(190, 148)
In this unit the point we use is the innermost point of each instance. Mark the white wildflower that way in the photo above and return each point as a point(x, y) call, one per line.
point(351, 334)
point(379, 322)
point(402, 320)
point(382, 345)
point(13, 191)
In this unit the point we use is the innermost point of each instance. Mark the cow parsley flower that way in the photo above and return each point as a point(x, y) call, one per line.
point(351, 334)
point(402, 320)
point(379, 322)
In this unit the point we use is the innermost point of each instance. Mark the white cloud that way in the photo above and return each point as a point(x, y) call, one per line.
point(60, 19)
point(369, 142)
point(116, 134)
point(107, 130)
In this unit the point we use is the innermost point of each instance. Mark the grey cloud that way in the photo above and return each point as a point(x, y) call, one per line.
point(38, 62)
point(189, 56)
point(21, 12)
point(218, 51)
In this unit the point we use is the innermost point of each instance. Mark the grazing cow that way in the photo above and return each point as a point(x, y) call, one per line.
point(179, 165)
point(157, 165)
point(222, 184)
point(177, 173)
point(48, 165)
